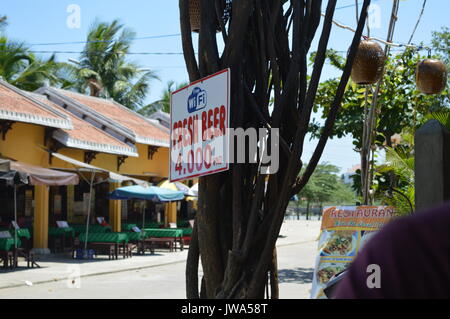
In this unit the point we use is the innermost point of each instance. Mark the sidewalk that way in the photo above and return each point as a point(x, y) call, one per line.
point(64, 268)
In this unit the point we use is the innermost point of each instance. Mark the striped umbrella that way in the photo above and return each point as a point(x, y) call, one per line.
point(177, 186)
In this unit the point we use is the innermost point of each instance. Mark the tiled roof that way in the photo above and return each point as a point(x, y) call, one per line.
point(145, 131)
point(15, 105)
point(86, 136)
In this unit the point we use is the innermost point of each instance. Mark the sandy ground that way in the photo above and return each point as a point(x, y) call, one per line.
point(157, 276)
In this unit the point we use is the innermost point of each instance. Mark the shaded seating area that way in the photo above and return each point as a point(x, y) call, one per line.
point(14, 174)
point(23, 234)
point(150, 238)
point(111, 244)
point(171, 238)
point(8, 251)
point(153, 225)
point(187, 233)
point(128, 226)
point(137, 241)
point(11, 249)
point(79, 229)
point(60, 238)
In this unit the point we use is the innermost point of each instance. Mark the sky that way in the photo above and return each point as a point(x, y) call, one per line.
point(40, 22)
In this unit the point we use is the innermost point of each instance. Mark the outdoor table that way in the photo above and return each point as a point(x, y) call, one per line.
point(25, 235)
point(183, 224)
point(153, 225)
point(133, 236)
point(6, 244)
point(187, 234)
point(22, 233)
point(7, 251)
point(63, 233)
point(174, 233)
point(137, 239)
point(92, 228)
point(57, 231)
point(128, 227)
point(112, 238)
point(186, 231)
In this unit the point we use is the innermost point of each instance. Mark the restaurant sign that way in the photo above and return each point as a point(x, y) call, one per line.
point(344, 232)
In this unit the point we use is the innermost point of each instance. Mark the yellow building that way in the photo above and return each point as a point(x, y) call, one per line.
point(92, 130)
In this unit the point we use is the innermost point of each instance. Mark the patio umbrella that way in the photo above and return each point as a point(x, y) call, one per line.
point(194, 189)
point(177, 186)
point(153, 193)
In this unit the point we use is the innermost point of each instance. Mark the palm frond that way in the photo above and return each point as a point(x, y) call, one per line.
point(441, 117)
point(400, 162)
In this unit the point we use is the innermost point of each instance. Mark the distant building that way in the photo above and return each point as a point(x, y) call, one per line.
point(161, 117)
point(347, 178)
point(52, 132)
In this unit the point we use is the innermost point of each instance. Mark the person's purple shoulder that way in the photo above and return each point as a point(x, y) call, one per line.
point(411, 257)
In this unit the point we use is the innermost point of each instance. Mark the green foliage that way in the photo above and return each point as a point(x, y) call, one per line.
point(400, 162)
point(104, 61)
point(164, 103)
point(3, 22)
point(325, 186)
point(441, 44)
point(401, 108)
point(400, 105)
point(23, 69)
point(442, 117)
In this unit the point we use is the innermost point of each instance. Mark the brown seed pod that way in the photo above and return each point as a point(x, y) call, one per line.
point(369, 63)
point(195, 14)
point(431, 76)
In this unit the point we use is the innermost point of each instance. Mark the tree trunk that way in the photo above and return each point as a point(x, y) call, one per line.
point(241, 211)
point(274, 287)
point(307, 210)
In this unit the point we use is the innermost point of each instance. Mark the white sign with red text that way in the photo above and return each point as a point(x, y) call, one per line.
point(200, 115)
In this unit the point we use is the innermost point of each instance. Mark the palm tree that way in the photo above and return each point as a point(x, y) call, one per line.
point(3, 22)
point(400, 161)
point(162, 104)
point(104, 69)
point(23, 69)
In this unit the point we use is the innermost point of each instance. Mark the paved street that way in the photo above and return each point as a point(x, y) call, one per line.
point(165, 276)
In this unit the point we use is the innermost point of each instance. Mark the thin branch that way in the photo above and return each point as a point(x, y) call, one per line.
point(293, 166)
point(336, 103)
point(208, 52)
point(418, 21)
point(264, 121)
point(188, 49)
point(219, 11)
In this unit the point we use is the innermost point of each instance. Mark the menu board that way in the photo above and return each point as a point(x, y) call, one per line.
point(5, 234)
point(344, 231)
point(62, 224)
point(136, 229)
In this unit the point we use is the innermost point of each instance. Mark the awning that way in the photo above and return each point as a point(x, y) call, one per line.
point(112, 176)
point(34, 175)
point(4, 165)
